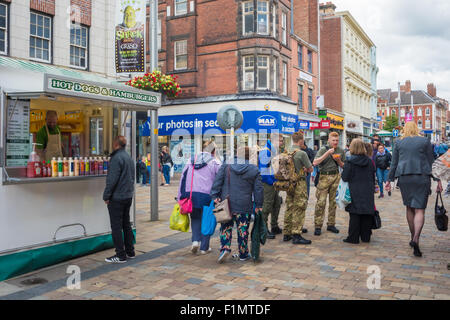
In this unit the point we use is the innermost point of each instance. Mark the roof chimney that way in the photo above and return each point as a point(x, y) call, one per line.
point(406, 87)
point(327, 9)
point(431, 89)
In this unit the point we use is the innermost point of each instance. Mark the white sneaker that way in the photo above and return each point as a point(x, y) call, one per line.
point(203, 252)
point(195, 246)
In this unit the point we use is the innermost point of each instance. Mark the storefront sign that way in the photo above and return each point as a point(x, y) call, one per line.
point(18, 133)
point(314, 125)
point(354, 126)
point(367, 125)
point(130, 36)
point(303, 125)
point(325, 124)
point(267, 121)
point(376, 126)
point(323, 114)
point(93, 90)
point(336, 122)
point(305, 76)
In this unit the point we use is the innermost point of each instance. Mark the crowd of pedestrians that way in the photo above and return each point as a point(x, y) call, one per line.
point(248, 182)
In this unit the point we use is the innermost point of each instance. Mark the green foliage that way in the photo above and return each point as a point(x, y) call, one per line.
point(391, 123)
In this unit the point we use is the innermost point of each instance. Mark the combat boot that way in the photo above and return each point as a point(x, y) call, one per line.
point(298, 239)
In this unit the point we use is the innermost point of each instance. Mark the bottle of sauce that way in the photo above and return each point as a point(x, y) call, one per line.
point(54, 168)
point(100, 165)
point(82, 166)
point(33, 165)
point(76, 164)
point(96, 166)
point(44, 169)
point(66, 167)
point(87, 167)
point(91, 166)
point(60, 167)
point(71, 167)
point(49, 169)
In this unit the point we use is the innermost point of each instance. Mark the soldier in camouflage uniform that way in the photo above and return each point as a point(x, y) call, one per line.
point(297, 201)
point(329, 158)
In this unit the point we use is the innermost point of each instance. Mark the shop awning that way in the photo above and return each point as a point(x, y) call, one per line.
point(32, 80)
point(308, 117)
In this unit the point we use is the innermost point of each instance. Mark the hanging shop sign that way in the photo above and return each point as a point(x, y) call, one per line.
point(323, 114)
point(353, 126)
point(130, 36)
point(94, 90)
point(325, 124)
point(336, 122)
point(314, 125)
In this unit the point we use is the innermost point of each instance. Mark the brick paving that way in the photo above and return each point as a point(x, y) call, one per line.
point(327, 270)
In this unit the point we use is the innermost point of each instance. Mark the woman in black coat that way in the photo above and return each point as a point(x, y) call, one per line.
point(359, 172)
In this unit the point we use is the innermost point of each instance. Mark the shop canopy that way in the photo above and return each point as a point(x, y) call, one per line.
point(27, 80)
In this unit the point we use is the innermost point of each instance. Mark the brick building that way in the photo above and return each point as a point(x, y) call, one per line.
point(261, 56)
point(423, 107)
point(348, 72)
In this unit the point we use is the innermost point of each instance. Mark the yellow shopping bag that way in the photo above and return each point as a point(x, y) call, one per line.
point(178, 221)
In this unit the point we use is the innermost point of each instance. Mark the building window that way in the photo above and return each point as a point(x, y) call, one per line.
point(419, 112)
point(40, 37)
point(181, 55)
point(427, 124)
point(3, 28)
point(249, 73)
point(284, 28)
point(274, 77)
point(310, 100)
point(300, 97)
point(427, 112)
point(402, 112)
point(263, 72)
point(263, 17)
point(78, 46)
point(419, 124)
point(159, 34)
point(274, 21)
point(309, 61)
point(180, 7)
point(285, 78)
point(248, 17)
point(300, 56)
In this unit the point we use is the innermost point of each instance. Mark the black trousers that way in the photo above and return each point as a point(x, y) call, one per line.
point(360, 226)
point(122, 234)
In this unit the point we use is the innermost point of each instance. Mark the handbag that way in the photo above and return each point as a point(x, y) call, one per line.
point(186, 206)
point(222, 210)
point(440, 216)
point(343, 195)
point(376, 221)
point(179, 222)
point(209, 222)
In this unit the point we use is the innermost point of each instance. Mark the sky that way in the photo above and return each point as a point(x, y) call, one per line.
point(412, 39)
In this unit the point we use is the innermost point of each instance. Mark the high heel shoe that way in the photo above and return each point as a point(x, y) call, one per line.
point(417, 252)
point(411, 244)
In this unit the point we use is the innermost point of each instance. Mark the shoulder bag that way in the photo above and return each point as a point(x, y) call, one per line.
point(440, 216)
point(376, 221)
point(222, 211)
point(186, 206)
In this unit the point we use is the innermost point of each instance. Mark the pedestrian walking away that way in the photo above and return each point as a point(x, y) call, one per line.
point(118, 196)
point(241, 182)
point(272, 199)
point(166, 163)
point(143, 170)
point(205, 167)
point(382, 162)
point(297, 200)
point(412, 165)
point(329, 159)
point(359, 172)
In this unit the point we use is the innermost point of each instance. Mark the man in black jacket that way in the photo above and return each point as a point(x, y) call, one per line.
point(118, 195)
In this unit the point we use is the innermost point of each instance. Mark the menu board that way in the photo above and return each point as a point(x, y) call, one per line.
point(18, 133)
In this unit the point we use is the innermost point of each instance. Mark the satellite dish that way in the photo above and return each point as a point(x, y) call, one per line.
point(230, 117)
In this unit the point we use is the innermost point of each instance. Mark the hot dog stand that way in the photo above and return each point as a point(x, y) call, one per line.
point(45, 221)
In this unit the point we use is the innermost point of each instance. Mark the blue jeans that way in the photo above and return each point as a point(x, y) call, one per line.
point(382, 176)
point(196, 227)
point(308, 183)
point(166, 173)
point(144, 179)
point(149, 174)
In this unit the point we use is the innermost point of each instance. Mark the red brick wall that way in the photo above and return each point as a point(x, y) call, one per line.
point(44, 6)
point(331, 63)
point(305, 20)
point(85, 11)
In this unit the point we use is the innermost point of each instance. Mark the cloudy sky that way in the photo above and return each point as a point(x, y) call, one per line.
point(412, 39)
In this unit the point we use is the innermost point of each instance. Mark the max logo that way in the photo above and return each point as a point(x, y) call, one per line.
point(267, 121)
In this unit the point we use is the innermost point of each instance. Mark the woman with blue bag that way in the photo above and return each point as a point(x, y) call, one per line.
point(206, 167)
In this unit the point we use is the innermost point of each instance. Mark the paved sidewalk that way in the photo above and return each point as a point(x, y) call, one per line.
point(328, 269)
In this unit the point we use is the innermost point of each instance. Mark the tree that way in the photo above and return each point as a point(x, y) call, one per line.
point(391, 123)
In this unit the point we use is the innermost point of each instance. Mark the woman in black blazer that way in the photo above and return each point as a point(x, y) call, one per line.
point(412, 161)
point(359, 172)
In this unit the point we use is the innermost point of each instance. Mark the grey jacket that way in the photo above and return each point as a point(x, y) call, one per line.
point(120, 178)
point(245, 184)
point(412, 155)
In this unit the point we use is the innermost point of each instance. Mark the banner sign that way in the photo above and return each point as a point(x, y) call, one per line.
point(314, 125)
point(325, 124)
point(130, 36)
point(303, 124)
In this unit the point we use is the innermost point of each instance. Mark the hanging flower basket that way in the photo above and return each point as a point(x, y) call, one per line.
point(156, 81)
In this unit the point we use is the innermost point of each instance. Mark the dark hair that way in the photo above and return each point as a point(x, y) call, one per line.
point(51, 112)
point(121, 141)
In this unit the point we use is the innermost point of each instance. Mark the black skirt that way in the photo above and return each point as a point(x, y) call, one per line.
point(415, 190)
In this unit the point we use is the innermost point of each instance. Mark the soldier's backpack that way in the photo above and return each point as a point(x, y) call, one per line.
point(285, 173)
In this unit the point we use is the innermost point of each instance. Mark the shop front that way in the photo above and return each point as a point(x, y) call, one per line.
point(353, 129)
point(186, 128)
point(52, 206)
point(337, 125)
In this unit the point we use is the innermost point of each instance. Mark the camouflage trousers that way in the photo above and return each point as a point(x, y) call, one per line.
point(271, 205)
point(296, 204)
point(327, 187)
